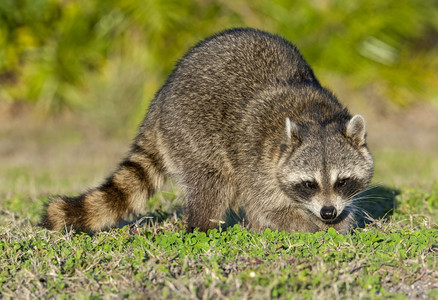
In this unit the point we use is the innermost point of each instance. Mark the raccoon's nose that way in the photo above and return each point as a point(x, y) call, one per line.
point(328, 212)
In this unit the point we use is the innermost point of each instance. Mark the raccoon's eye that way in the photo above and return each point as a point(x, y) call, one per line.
point(310, 185)
point(341, 182)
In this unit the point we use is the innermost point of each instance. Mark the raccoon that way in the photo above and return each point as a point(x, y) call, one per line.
point(241, 123)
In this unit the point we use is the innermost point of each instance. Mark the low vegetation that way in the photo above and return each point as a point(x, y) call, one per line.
point(395, 256)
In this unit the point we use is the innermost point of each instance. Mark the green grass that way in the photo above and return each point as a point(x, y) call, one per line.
point(395, 256)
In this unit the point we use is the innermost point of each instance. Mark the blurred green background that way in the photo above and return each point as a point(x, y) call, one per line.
point(62, 54)
point(101, 61)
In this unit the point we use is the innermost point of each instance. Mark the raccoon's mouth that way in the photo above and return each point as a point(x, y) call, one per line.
point(342, 216)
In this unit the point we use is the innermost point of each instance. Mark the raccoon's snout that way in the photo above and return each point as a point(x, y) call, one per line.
point(328, 212)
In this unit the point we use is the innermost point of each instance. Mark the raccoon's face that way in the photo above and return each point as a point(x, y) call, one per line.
point(324, 170)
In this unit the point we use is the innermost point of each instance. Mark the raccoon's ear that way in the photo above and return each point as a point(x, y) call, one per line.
point(356, 130)
point(292, 132)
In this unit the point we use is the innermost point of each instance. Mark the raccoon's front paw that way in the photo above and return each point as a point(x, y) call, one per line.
point(308, 227)
point(343, 227)
point(344, 222)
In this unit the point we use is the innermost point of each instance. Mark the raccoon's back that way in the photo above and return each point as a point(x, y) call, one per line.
point(205, 99)
point(229, 68)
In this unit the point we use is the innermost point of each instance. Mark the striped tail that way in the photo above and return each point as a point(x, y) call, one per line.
point(122, 196)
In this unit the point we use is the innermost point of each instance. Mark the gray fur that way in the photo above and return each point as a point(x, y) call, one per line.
point(219, 127)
